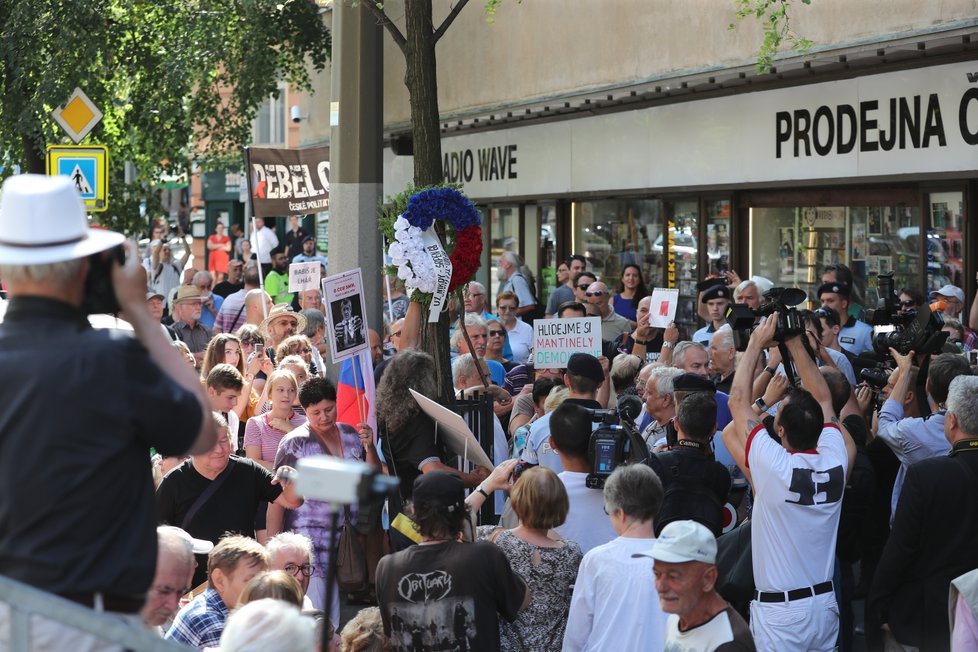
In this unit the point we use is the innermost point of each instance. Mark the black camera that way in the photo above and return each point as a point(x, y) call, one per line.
point(615, 441)
point(913, 330)
point(781, 300)
point(99, 295)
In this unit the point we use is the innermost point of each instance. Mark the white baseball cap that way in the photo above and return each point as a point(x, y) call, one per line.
point(43, 220)
point(200, 546)
point(951, 291)
point(683, 541)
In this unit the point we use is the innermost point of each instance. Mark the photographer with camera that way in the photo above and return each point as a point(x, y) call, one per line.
point(855, 336)
point(798, 485)
point(918, 438)
point(76, 502)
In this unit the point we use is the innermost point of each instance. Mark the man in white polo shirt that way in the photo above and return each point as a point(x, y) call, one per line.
point(798, 486)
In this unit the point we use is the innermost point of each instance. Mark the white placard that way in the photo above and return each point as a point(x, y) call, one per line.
point(346, 321)
point(455, 431)
point(443, 273)
point(305, 276)
point(555, 340)
point(662, 308)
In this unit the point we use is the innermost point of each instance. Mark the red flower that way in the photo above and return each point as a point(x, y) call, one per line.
point(466, 257)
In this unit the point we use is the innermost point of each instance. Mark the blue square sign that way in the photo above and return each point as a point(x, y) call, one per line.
point(82, 171)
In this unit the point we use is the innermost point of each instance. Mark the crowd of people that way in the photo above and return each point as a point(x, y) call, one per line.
point(774, 477)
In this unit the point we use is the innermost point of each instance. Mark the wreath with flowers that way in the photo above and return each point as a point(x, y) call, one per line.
point(414, 213)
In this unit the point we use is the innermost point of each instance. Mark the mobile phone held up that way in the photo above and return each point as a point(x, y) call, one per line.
point(99, 295)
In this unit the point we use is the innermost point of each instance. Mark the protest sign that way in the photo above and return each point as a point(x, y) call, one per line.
point(662, 309)
point(346, 323)
point(555, 340)
point(304, 276)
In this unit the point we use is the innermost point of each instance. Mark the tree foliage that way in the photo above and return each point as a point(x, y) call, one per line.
point(179, 81)
point(776, 23)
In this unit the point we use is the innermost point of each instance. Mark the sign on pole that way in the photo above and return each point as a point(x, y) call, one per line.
point(287, 181)
point(88, 168)
point(346, 322)
point(555, 340)
point(305, 276)
point(78, 116)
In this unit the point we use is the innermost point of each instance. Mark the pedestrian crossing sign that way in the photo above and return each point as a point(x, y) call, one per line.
point(87, 167)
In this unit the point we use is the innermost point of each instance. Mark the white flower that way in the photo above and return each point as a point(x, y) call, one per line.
point(400, 223)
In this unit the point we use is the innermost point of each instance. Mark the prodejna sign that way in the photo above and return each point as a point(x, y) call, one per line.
point(918, 121)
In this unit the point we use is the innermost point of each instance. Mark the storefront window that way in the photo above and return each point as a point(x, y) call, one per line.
point(541, 220)
point(615, 233)
point(683, 221)
point(870, 240)
point(945, 240)
point(504, 235)
point(718, 235)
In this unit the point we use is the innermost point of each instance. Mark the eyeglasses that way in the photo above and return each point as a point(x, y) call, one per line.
point(504, 308)
point(596, 293)
point(583, 288)
point(497, 333)
point(305, 569)
point(906, 304)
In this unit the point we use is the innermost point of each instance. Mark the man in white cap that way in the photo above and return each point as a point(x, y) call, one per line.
point(175, 565)
point(79, 520)
point(953, 299)
point(685, 578)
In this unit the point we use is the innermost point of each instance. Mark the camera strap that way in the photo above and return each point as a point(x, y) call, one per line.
point(689, 443)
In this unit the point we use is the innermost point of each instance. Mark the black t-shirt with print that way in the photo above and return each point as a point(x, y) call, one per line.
point(447, 596)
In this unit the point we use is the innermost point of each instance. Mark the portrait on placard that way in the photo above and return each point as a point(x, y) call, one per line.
point(345, 316)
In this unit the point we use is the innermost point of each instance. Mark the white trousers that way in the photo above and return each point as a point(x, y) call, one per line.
point(807, 625)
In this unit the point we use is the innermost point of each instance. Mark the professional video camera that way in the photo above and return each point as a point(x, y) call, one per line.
point(781, 300)
point(615, 441)
point(913, 330)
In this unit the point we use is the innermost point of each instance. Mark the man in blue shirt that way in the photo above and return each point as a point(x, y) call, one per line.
point(230, 565)
point(855, 336)
point(716, 298)
point(309, 254)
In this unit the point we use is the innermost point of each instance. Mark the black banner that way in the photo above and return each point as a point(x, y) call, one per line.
point(287, 181)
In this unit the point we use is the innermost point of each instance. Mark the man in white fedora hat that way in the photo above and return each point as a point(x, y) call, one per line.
point(77, 515)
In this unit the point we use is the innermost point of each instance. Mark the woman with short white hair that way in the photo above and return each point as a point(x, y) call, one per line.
point(268, 624)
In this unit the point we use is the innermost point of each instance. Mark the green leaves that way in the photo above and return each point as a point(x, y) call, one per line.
point(776, 24)
point(179, 81)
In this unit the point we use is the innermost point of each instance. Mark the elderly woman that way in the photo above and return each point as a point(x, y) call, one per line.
point(546, 562)
point(407, 434)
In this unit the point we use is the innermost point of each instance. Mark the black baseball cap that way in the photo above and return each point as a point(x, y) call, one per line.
point(693, 383)
point(439, 489)
point(586, 365)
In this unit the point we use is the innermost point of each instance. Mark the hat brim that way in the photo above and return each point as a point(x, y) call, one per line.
point(666, 556)
point(202, 546)
point(95, 240)
point(300, 318)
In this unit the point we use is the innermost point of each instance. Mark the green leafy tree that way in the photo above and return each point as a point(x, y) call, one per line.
point(179, 81)
point(776, 23)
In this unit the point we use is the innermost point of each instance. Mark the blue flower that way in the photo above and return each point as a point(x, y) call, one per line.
point(441, 204)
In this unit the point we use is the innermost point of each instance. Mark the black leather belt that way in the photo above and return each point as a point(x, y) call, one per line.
point(117, 603)
point(794, 594)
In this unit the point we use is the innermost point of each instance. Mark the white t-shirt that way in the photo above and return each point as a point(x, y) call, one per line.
point(586, 522)
point(267, 240)
point(711, 635)
point(798, 499)
point(521, 341)
point(615, 605)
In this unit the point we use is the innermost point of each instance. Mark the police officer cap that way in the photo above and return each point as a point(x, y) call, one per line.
point(585, 364)
point(708, 283)
point(692, 383)
point(716, 292)
point(835, 288)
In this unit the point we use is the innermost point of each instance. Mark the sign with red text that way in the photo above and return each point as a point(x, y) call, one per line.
point(346, 321)
point(555, 340)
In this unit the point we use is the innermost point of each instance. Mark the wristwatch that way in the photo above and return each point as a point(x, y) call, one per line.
point(482, 491)
point(642, 342)
point(761, 404)
point(668, 345)
point(770, 371)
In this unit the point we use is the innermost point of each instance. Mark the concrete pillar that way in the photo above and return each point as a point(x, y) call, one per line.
point(356, 152)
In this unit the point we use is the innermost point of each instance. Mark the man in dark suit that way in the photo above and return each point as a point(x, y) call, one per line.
point(935, 532)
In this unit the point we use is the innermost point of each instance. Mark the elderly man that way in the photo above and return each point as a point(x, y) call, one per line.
point(660, 404)
point(932, 540)
point(88, 504)
point(174, 570)
point(233, 282)
point(232, 314)
point(508, 271)
point(716, 298)
point(210, 302)
point(233, 562)
point(315, 330)
point(953, 299)
point(154, 303)
point(575, 265)
point(311, 300)
point(478, 331)
point(185, 497)
point(280, 324)
point(615, 606)
point(723, 357)
point(855, 336)
point(599, 305)
point(277, 279)
point(292, 552)
point(474, 300)
point(257, 305)
point(186, 321)
point(748, 294)
point(685, 578)
point(645, 341)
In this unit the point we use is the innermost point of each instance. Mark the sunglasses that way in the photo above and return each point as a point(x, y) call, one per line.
point(596, 293)
point(583, 287)
point(907, 304)
point(497, 333)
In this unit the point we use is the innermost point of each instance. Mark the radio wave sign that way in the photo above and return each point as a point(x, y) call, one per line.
point(87, 167)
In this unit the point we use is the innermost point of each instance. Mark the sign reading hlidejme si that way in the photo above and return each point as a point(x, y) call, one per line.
point(916, 121)
point(288, 181)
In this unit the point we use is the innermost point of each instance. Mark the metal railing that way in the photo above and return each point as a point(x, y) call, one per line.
point(25, 601)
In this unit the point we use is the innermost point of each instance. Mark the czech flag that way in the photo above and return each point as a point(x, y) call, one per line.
point(356, 393)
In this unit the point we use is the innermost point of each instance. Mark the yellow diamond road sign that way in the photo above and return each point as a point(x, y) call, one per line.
point(88, 167)
point(77, 116)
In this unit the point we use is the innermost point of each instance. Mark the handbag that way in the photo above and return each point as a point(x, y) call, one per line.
point(351, 563)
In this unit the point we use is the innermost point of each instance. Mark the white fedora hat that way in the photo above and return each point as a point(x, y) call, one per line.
point(42, 220)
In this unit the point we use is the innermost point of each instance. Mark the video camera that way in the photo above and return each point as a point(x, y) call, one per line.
point(615, 441)
point(913, 330)
point(781, 300)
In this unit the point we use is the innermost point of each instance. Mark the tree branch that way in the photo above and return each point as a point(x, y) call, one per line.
point(449, 19)
point(381, 16)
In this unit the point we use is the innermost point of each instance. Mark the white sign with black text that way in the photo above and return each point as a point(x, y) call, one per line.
point(346, 321)
point(555, 340)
